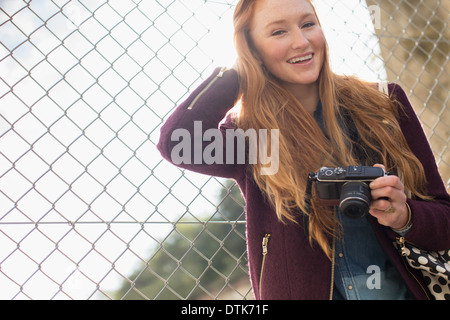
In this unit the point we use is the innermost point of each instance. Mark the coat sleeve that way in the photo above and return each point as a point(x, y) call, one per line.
point(192, 137)
point(431, 219)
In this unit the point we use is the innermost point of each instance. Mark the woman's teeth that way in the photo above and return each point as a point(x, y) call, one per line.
point(301, 59)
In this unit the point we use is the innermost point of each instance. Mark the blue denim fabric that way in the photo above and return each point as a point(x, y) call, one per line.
point(360, 259)
point(362, 270)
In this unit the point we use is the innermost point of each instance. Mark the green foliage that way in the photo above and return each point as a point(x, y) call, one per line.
point(195, 261)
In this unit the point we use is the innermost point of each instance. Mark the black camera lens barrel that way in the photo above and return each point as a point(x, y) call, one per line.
point(355, 199)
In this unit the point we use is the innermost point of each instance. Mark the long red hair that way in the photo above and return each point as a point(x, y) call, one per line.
point(303, 146)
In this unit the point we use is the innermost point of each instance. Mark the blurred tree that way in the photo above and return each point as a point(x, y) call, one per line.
point(414, 40)
point(196, 261)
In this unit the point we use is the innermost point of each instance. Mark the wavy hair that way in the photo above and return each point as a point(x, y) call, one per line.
point(303, 146)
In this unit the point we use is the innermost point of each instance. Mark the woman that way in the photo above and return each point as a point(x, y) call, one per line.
point(285, 84)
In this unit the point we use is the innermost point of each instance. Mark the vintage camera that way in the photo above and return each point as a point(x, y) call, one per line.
point(349, 186)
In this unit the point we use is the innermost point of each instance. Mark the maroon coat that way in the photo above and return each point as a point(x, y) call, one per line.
point(292, 268)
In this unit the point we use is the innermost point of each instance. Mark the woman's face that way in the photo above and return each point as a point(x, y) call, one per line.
point(289, 41)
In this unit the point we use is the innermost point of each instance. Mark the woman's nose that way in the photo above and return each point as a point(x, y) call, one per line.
point(299, 40)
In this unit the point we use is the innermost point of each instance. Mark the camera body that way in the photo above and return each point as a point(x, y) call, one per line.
point(347, 187)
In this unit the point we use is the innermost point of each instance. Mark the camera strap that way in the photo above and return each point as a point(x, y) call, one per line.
point(308, 196)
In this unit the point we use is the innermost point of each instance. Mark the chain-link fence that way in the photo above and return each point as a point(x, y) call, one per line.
point(88, 209)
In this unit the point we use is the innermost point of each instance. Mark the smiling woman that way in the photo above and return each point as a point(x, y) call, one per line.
point(290, 43)
point(85, 197)
point(284, 82)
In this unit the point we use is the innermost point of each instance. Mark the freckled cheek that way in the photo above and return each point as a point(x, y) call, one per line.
point(274, 54)
point(318, 42)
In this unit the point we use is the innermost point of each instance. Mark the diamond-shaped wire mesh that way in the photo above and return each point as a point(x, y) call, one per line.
point(88, 209)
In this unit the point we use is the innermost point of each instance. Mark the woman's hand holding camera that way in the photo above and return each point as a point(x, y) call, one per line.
point(389, 202)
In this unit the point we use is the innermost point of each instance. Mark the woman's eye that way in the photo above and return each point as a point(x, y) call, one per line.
point(308, 25)
point(278, 32)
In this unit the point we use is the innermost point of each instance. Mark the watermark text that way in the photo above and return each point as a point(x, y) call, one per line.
point(236, 146)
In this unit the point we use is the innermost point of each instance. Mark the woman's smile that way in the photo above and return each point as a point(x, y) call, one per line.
point(290, 43)
point(301, 60)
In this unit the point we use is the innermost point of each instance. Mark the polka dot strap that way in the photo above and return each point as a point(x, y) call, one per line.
point(435, 267)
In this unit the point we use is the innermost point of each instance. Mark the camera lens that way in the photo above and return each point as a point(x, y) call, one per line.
point(355, 199)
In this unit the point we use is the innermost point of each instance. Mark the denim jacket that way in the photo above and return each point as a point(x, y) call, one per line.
point(363, 271)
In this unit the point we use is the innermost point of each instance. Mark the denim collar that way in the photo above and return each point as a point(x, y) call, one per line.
point(318, 115)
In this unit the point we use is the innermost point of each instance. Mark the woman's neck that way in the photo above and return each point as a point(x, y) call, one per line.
point(307, 95)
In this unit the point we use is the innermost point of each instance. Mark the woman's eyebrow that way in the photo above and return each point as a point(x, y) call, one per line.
point(281, 21)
